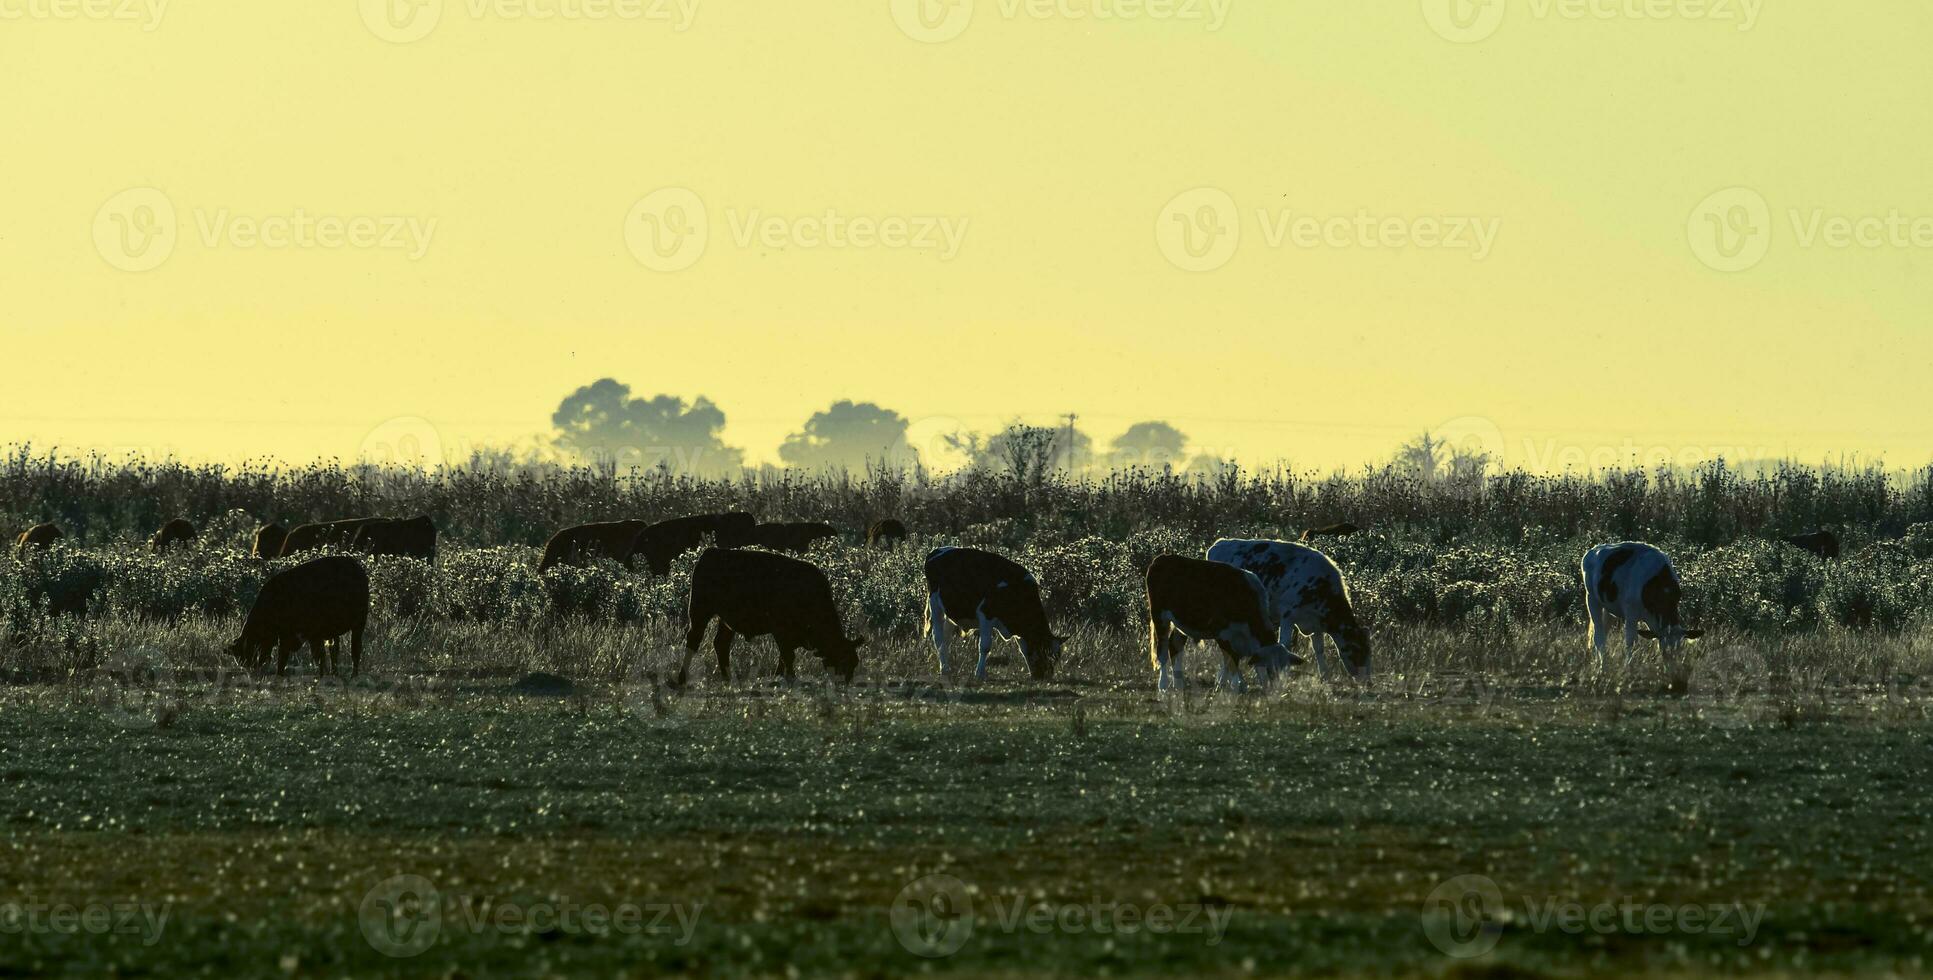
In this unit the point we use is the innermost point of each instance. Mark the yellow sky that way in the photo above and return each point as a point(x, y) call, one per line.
point(407, 209)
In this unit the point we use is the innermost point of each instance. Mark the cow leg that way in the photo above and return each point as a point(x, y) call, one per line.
point(788, 662)
point(939, 627)
point(355, 651)
point(1178, 643)
point(1322, 662)
point(694, 635)
point(283, 646)
point(1158, 651)
point(721, 644)
point(1594, 608)
point(1230, 676)
point(324, 651)
point(1630, 640)
point(986, 647)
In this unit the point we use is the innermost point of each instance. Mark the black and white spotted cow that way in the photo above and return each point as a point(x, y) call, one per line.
point(1636, 583)
point(993, 596)
point(1306, 592)
point(1192, 599)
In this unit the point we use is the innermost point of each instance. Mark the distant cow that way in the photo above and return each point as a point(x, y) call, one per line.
point(1306, 592)
point(616, 540)
point(314, 603)
point(886, 535)
point(1192, 599)
point(794, 537)
point(755, 593)
point(1636, 583)
point(177, 531)
point(323, 534)
point(40, 537)
point(1825, 544)
point(663, 542)
point(1341, 530)
point(413, 537)
point(979, 591)
point(268, 540)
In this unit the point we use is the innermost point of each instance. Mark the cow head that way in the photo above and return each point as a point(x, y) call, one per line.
point(1352, 641)
point(1043, 655)
point(1674, 635)
point(842, 656)
point(246, 652)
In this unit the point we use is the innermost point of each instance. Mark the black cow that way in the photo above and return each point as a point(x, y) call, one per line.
point(663, 542)
point(322, 534)
point(1195, 599)
point(314, 603)
point(1825, 544)
point(268, 540)
point(413, 537)
point(616, 540)
point(1338, 530)
point(40, 537)
point(797, 537)
point(177, 531)
point(980, 591)
point(886, 535)
point(756, 593)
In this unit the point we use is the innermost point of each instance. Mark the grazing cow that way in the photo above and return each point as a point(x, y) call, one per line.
point(1825, 544)
point(174, 532)
point(986, 593)
point(886, 535)
point(1636, 583)
point(1306, 592)
point(323, 534)
point(795, 537)
point(268, 540)
point(314, 603)
point(1342, 530)
point(1192, 599)
point(663, 542)
point(413, 537)
point(756, 593)
point(616, 540)
point(39, 537)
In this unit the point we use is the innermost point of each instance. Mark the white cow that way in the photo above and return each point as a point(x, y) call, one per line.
point(1306, 592)
point(1636, 583)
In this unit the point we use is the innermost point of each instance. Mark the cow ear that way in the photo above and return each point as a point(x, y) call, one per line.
point(1694, 634)
point(1646, 633)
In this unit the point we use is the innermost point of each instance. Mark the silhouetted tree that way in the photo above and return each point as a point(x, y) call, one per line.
point(849, 434)
point(1150, 444)
point(603, 423)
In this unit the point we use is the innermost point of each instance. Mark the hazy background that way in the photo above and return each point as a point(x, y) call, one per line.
point(1110, 184)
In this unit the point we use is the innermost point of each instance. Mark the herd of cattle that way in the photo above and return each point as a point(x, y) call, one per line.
point(1248, 597)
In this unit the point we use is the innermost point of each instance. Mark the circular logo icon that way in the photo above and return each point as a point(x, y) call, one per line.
point(401, 21)
point(933, 917)
point(401, 916)
point(1464, 21)
point(135, 230)
point(939, 442)
point(1461, 916)
point(933, 21)
point(1731, 230)
point(1472, 437)
point(1723, 684)
point(407, 441)
point(668, 229)
point(138, 688)
point(1199, 230)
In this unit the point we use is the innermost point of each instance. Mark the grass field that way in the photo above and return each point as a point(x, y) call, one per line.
point(419, 824)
